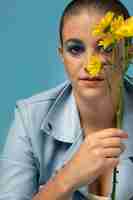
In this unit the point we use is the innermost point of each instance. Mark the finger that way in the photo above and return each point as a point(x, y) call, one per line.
point(116, 143)
point(112, 152)
point(111, 142)
point(112, 132)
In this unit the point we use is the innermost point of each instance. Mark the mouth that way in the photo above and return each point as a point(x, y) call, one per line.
point(91, 81)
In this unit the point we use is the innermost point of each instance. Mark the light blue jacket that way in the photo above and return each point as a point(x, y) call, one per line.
point(44, 135)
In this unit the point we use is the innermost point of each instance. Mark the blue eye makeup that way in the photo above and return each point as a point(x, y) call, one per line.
point(75, 47)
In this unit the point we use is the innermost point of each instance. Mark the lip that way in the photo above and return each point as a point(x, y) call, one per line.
point(91, 82)
point(84, 76)
point(92, 78)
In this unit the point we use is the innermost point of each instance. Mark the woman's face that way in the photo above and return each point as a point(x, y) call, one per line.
point(78, 46)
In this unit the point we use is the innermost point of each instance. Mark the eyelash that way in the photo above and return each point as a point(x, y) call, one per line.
point(76, 50)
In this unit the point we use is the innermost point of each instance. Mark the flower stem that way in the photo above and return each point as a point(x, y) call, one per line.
point(119, 118)
point(114, 184)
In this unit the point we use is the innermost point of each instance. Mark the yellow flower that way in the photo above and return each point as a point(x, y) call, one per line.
point(94, 66)
point(116, 23)
point(111, 37)
point(126, 29)
point(104, 24)
point(107, 41)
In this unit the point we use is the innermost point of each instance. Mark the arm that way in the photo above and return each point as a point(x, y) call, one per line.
point(18, 171)
point(56, 188)
point(60, 188)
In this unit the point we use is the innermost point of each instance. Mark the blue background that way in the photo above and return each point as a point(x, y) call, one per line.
point(29, 60)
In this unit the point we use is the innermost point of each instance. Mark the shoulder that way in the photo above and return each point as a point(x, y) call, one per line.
point(35, 108)
point(44, 96)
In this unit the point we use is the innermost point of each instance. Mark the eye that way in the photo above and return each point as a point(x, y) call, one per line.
point(101, 49)
point(75, 47)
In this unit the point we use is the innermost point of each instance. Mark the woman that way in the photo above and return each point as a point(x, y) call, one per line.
point(63, 143)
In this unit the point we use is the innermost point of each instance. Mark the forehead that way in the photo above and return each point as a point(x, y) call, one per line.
point(80, 26)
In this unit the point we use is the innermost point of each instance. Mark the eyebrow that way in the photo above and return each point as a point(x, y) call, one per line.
point(73, 40)
point(77, 40)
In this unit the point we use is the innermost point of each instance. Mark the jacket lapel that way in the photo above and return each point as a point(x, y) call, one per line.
point(67, 156)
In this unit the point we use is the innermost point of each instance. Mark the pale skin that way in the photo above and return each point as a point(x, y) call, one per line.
point(97, 156)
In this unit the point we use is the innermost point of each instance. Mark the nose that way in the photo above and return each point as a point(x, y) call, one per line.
point(92, 63)
point(87, 57)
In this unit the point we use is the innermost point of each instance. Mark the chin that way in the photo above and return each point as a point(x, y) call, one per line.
point(91, 93)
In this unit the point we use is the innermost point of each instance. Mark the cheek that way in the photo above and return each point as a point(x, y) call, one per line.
point(72, 67)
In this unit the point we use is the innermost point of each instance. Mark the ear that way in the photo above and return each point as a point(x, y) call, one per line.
point(60, 52)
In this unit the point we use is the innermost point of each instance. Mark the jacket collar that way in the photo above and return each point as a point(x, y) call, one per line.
point(62, 120)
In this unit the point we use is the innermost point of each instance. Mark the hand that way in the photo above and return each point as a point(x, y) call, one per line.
point(99, 152)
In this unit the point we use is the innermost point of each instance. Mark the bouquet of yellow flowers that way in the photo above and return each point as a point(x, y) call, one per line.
point(113, 29)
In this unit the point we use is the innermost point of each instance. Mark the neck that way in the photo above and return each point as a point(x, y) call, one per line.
point(96, 114)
